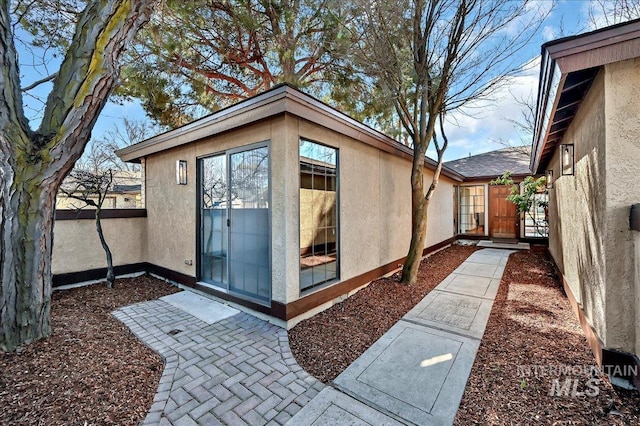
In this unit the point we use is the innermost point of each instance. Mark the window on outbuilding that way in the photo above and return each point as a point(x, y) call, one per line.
point(318, 214)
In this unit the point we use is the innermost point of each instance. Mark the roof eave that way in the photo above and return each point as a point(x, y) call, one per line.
point(282, 99)
point(564, 57)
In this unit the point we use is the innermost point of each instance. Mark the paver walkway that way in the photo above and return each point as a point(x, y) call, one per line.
point(236, 370)
point(417, 371)
point(227, 367)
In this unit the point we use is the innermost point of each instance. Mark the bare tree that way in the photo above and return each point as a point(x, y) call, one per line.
point(434, 56)
point(523, 124)
point(101, 153)
point(91, 188)
point(33, 163)
point(603, 13)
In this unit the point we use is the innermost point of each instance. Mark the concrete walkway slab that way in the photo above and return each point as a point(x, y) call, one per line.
point(465, 315)
point(487, 270)
point(333, 408)
point(470, 285)
point(414, 372)
point(417, 371)
point(203, 308)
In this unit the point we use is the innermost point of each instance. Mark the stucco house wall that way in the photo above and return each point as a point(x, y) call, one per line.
point(590, 239)
point(622, 163)
point(576, 207)
point(374, 202)
point(77, 248)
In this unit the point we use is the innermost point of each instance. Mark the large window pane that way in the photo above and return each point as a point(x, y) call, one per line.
point(472, 210)
point(318, 214)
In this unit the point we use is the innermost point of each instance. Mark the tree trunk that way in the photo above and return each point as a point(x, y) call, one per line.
point(34, 163)
point(419, 207)
point(111, 276)
point(26, 242)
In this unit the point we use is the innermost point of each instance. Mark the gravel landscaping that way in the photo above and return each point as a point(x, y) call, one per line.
point(326, 344)
point(532, 324)
point(91, 370)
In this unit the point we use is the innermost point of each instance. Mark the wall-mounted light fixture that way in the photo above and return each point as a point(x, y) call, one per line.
point(549, 177)
point(568, 160)
point(181, 172)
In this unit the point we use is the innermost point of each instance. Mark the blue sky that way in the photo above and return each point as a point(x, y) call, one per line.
point(468, 134)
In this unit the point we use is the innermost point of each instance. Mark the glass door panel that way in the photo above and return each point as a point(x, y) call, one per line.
point(213, 221)
point(249, 237)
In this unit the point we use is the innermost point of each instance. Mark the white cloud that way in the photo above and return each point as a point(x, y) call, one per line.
point(482, 126)
point(549, 33)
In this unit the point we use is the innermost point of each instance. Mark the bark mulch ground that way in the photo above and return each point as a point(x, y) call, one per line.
point(531, 337)
point(326, 344)
point(91, 370)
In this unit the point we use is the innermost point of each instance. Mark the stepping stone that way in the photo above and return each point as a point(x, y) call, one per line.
point(203, 308)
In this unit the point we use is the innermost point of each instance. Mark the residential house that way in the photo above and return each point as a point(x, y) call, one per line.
point(587, 140)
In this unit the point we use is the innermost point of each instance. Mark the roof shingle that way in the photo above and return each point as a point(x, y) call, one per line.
point(493, 164)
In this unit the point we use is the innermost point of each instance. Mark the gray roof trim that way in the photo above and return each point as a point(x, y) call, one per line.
point(281, 99)
point(563, 62)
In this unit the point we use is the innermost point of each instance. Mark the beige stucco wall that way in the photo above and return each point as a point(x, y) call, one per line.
point(589, 212)
point(76, 246)
point(576, 209)
point(374, 202)
point(172, 208)
point(622, 160)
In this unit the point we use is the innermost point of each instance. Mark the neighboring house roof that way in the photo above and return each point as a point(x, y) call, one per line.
point(569, 66)
point(126, 188)
point(278, 100)
point(491, 165)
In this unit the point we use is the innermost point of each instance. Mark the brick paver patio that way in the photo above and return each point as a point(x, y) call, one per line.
point(237, 371)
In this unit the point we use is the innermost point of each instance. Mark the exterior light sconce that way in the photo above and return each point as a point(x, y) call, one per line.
point(568, 159)
point(549, 177)
point(181, 172)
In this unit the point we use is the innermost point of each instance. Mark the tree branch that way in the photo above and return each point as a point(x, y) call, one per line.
point(87, 75)
point(11, 107)
point(39, 82)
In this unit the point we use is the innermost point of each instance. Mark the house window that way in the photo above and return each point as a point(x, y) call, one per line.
point(471, 210)
point(318, 214)
point(535, 221)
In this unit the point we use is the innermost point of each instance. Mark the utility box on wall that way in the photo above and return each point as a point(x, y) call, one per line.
point(634, 218)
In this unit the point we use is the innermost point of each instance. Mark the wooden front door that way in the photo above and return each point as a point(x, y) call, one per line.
point(503, 215)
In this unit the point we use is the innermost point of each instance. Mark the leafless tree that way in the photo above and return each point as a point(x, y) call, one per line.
point(101, 153)
point(435, 56)
point(91, 189)
point(523, 124)
point(34, 162)
point(603, 13)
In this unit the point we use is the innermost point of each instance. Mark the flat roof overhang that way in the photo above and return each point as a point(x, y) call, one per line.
point(567, 70)
point(279, 100)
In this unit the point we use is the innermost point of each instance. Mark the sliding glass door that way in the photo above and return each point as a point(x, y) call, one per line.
point(234, 222)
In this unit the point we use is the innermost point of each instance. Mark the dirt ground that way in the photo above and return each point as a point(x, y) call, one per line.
point(91, 370)
point(532, 340)
point(326, 344)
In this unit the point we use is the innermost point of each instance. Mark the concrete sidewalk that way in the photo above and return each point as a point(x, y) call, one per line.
point(417, 371)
